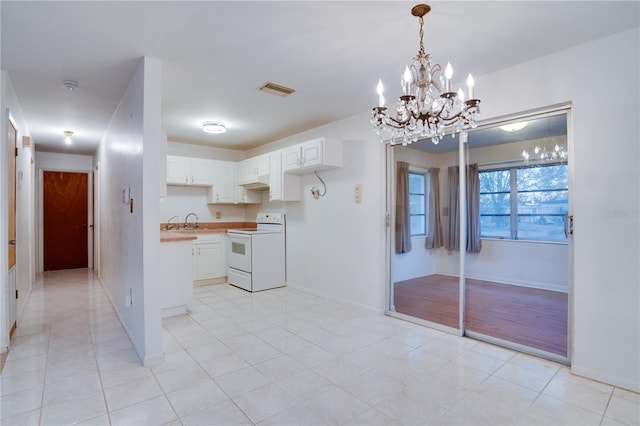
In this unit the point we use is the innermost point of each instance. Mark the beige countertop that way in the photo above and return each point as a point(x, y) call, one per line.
point(204, 228)
point(187, 234)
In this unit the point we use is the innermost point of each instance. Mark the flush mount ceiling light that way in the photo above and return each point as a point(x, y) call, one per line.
point(514, 127)
point(214, 127)
point(428, 107)
point(68, 134)
point(70, 85)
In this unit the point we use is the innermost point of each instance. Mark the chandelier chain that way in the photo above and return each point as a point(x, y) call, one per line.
point(421, 52)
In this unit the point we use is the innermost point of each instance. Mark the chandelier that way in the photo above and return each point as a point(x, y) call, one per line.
point(428, 108)
point(541, 154)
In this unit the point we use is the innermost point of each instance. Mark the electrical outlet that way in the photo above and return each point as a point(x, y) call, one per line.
point(357, 193)
point(218, 215)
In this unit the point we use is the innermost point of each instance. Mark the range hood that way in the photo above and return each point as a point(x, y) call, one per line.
point(258, 182)
point(255, 185)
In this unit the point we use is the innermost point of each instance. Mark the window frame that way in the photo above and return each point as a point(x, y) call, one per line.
point(514, 191)
point(425, 177)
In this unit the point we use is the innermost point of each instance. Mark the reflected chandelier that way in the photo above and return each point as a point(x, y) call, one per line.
point(428, 108)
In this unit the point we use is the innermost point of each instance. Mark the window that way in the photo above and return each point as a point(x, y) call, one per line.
point(526, 203)
point(418, 203)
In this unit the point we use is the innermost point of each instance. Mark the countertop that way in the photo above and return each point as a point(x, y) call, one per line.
point(187, 234)
point(204, 228)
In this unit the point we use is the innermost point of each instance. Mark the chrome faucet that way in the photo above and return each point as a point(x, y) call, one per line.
point(186, 220)
point(169, 225)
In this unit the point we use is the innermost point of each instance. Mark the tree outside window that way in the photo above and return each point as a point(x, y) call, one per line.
point(527, 203)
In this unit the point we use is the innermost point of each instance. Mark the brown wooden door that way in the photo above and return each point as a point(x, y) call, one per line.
point(11, 170)
point(65, 220)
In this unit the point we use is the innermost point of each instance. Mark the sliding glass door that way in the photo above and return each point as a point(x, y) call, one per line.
point(484, 249)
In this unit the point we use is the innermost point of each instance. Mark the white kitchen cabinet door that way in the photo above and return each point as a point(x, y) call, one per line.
point(262, 165)
point(275, 176)
point(316, 154)
point(291, 158)
point(189, 171)
point(177, 170)
point(176, 277)
point(312, 153)
point(224, 183)
point(201, 172)
point(208, 260)
point(282, 186)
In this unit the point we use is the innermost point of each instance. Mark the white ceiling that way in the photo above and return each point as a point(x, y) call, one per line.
point(216, 54)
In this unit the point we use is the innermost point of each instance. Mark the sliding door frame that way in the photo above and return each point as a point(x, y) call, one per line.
point(558, 109)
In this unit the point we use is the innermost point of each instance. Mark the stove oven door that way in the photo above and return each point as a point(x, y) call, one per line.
point(239, 252)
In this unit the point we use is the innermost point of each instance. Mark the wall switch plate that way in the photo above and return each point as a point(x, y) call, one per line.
point(357, 193)
point(218, 215)
point(126, 195)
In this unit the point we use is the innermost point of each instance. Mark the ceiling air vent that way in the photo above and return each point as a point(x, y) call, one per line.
point(276, 89)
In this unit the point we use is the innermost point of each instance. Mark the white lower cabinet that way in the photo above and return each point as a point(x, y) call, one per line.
point(176, 278)
point(209, 257)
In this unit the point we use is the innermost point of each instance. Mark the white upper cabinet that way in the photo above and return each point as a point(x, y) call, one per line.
point(189, 171)
point(314, 155)
point(253, 173)
point(224, 183)
point(282, 186)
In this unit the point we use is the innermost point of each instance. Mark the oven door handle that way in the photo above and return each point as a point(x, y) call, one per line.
point(243, 237)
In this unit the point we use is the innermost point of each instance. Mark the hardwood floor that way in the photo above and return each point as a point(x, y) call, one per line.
point(528, 316)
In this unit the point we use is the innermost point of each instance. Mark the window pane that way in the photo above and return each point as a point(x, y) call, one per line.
point(495, 226)
point(416, 204)
point(417, 225)
point(416, 183)
point(542, 177)
point(543, 202)
point(495, 204)
point(541, 228)
point(495, 181)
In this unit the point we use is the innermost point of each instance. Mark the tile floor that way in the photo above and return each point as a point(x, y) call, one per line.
point(279, 357)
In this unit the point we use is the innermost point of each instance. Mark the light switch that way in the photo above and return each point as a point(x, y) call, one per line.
point(218, 215)
point(357, 193)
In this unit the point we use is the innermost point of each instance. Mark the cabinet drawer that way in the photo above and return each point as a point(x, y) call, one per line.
point(214, 238)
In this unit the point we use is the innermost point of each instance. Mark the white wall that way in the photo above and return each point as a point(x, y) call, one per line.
point(201, 151)
point(182, 200)
point(605, 196)
point(57, 162)
point(336, 247)
point(130, 242)
point(24, 270)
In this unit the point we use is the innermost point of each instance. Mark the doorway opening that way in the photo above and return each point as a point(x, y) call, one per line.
point(512, 286)
point(65, 220)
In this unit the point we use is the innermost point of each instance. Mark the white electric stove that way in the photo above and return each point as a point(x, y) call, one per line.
point(256, 256)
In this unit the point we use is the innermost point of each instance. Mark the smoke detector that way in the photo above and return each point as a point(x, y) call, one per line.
point(70, 85)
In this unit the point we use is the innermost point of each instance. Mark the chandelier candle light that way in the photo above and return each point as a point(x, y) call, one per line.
point(428, 107)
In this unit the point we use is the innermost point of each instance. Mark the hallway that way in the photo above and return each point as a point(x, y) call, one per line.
point(276, 357)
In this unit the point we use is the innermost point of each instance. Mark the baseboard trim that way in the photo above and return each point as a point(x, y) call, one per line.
point(621, 382)
point(298, 287)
